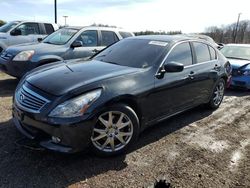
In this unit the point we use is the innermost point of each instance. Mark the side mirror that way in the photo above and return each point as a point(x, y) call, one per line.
point(16, 32)
point(39, 39)
point(76, 44)
point(173, 67)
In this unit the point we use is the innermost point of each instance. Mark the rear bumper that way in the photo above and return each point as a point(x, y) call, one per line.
point(73, 137)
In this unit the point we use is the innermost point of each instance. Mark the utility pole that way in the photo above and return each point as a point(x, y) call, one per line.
point(236, 29)
point(65, 20)
point(55, 12)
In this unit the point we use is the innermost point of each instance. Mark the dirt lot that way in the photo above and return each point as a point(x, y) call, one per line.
point(199, 148)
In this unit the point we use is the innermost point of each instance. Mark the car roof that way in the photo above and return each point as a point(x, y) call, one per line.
point(96, 27)
point(166, 38)
point(239, 45)
point(21, 21)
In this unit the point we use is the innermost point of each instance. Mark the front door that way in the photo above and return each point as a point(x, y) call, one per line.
point(90, 46)
point(174, 91)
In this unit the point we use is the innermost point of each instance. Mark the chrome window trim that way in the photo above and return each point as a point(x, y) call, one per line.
point(158, 70)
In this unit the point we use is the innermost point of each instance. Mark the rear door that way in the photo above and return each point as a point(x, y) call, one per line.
point(205, 70)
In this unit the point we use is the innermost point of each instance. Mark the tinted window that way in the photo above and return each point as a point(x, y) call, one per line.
point(49, 28)
point(133, 53)
point(108, 38)
point(202, 52)
point(181, 54)
point(29, 28)
point(212, 53)
point(125, 34)
point(88, 38)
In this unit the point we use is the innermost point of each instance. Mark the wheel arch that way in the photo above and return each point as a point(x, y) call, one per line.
point(129, 100)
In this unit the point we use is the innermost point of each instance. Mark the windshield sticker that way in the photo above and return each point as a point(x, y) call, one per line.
point(158, 43)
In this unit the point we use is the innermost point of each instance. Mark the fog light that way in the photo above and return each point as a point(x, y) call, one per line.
point(55, 139)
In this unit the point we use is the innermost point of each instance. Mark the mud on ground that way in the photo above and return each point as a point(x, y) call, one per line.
point(199, 148)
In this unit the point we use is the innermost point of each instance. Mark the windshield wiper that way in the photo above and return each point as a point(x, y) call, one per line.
point(48, 42)
point(237, 58)
point(110, 62)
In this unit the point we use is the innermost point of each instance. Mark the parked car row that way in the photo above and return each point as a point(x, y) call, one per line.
point(101, 87)
point(66, 43)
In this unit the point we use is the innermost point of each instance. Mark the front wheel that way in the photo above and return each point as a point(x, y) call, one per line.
point(218, 94)
point(116, 129)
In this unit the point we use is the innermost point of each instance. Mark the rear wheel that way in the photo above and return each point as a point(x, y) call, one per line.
point(218, 94)
point(116, 129)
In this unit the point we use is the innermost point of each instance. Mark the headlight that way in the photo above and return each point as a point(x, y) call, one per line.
point(246, 72)
point(24, 55)
point(77, 106)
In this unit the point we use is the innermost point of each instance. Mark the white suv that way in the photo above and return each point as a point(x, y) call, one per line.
point(18, 32)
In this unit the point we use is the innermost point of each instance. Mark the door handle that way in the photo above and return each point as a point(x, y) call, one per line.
point(216, 67)
point(191, 75)
point(95, 50)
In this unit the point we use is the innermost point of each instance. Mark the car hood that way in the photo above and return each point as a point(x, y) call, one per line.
point(37, 47)
point(62, 78)
point(3, 36)
point(236, 63)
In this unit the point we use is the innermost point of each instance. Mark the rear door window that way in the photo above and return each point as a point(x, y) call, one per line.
point(181, 54)
point(49, 28)
point(108, 38)
point(125, 34)
point(202, 52)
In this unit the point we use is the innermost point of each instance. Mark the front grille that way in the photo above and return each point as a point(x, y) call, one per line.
point(237, 72)
point(29, 100)
point(5, 55)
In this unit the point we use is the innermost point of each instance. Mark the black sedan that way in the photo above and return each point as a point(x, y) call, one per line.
point(104, 103)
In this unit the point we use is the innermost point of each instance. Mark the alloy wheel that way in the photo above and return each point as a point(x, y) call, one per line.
point(112, 132)
point(218, 93)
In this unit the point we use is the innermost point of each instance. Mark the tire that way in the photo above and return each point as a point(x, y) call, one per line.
point(115, 130)
point(217, 95)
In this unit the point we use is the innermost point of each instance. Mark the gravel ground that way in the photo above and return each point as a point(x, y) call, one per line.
point(199, 148)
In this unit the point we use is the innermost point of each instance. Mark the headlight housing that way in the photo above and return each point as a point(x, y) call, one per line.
point(77, 106)
point(246, 72)
point(24, 55)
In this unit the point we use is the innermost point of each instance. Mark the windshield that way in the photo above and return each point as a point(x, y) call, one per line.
point(237, 52)
point(138, 53)
point(61, 36)
point(8, 26)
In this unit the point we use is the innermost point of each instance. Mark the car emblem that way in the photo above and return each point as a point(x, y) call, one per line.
point(21, 97)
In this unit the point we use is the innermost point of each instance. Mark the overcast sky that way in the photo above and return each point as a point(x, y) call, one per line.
point(135, 15)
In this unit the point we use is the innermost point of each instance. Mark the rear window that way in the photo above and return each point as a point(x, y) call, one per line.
point(49, 28)
point(125, 34)
point(108, 38)
point(136, 53)
point(202, 52)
